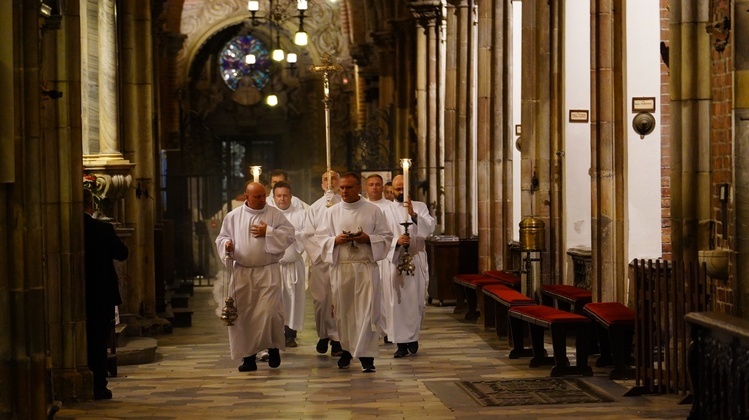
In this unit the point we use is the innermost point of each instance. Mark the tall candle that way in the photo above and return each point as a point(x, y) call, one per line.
point(405, 163)
point(256, 171)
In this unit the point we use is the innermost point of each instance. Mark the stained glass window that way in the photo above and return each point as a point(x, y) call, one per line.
point(234, 68)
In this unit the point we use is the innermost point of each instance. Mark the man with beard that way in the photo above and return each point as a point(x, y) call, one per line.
point(408, 293)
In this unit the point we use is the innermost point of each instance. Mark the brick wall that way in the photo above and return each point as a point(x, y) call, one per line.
point(721, 147)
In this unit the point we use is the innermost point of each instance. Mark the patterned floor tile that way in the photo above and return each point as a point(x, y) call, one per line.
point(194, 378)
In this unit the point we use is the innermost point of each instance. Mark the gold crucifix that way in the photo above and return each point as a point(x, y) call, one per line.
point(327, 67)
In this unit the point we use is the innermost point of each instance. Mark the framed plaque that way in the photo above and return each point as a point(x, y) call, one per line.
point(578, 115)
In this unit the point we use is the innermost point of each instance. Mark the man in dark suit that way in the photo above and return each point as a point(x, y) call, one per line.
point(102, 246)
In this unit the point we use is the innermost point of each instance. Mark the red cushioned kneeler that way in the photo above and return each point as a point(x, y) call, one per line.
point(565, 297)
point(498, 299)
point(540, 318)
point(509, 279)
point(615, 327)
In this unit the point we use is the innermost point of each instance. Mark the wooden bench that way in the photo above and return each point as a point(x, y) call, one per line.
point(540, 318)
point(565, 297)
point(468, 287)
point(498, 299)
point(509, 279)
point(615, 327)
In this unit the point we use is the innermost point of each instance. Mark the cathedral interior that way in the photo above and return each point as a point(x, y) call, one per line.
point(608, 132)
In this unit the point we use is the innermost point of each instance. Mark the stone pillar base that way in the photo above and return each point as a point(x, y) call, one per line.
point(72, 384)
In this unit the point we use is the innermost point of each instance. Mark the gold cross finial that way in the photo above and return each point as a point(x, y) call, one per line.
point(327, 66)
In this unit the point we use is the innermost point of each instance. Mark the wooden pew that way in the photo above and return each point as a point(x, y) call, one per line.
point(615, 327)
point(540, 318)
point(565, 297)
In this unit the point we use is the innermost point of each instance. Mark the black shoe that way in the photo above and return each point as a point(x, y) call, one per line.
point(413, 347)
point(248, 364)
point(367, 364)
point(274, 358)
point(102, 394)
point(335, 349)
point(401, 352)
point(387, 341)
point(290, 342)
point(345, 361)
point(322, 346)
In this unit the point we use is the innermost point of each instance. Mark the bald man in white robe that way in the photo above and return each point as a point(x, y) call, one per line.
point(256, 237)
point(353, 235)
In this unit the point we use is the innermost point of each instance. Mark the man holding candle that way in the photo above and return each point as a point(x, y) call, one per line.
point(354, 235)
point(405, 309)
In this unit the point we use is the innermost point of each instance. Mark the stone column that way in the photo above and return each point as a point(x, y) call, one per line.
point(171, 44)
point(429, 15)
point(384, 66)
point(24, 383)
point(741, 154)
point(366, 71)
point(404, 72)
point(450, 115)
point(386, 73)
point(138, 139)
point(690, 123)
point(422, 105)
point(494, 134)
point(463, 118)
point(608, 136)
point(535, 116)
point(102, 159)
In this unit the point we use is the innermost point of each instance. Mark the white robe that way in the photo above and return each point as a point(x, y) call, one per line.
point(292, 272)
point(386, 267)
point(408, 294)
point(355, 279)
point(319, 271)
point(256, 281)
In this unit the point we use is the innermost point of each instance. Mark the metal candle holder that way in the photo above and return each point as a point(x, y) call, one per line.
point(406, 261)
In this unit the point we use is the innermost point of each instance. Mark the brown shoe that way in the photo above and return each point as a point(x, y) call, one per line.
point(291, 342)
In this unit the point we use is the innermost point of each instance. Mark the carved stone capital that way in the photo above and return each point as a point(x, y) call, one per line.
point(383, 40)
point(426, 12)
point(108, 178)
point(171, 42)
point(362, 54)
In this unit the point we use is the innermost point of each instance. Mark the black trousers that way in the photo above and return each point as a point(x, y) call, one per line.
point(98, 330)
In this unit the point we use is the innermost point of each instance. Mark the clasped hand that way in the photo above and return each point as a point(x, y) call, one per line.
point(346, 237)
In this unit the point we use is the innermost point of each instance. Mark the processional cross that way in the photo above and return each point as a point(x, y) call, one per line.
point(326, 68)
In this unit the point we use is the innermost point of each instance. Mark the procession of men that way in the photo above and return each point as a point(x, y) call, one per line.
point(352, 246)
